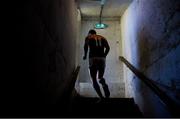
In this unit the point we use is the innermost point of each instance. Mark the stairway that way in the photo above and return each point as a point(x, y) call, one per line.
point(116, 88)
point(113, 107)
point(81, 107)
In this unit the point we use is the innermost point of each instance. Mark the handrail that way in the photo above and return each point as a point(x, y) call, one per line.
point(74, 78)
point(65, 99)
point(172, 106)
point(75, 75)
point(67, 93)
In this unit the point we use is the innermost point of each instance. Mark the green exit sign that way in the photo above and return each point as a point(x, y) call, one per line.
point(100, 26)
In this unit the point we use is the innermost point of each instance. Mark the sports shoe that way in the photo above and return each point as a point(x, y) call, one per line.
point(106, 91)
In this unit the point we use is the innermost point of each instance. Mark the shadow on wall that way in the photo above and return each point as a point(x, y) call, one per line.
point(154, 30)
point(143, 49)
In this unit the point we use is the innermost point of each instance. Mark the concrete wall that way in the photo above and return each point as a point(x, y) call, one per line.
point(43, 56)
point(78, 46)
point(151, 42)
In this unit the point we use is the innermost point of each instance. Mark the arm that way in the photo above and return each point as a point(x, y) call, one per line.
point(85, 48)
point(106, 45)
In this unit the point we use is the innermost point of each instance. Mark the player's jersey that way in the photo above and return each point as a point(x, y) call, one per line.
point(96, 44)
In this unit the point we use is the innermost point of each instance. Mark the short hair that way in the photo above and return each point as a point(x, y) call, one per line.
point(92, 31)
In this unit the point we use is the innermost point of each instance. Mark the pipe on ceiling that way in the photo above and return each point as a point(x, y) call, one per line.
point(102, 6)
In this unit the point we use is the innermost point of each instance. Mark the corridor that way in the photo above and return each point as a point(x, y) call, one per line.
point(44, 74)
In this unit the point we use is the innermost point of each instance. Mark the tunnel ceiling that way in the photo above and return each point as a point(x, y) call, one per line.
point(112, 8)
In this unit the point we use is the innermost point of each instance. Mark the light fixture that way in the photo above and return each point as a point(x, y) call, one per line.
point(101, 25)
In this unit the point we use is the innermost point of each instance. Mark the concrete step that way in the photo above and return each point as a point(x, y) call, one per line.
point(117, 89)
point(112, 107)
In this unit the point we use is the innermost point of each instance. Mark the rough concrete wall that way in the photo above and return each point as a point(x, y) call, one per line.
point(151, 42)
point(46, 59)
point(78, 45)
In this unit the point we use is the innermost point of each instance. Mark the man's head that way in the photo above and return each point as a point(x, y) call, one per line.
point(91, 32)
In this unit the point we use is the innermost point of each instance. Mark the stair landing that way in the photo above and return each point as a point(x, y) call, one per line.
point(112, 107)
point(117, 89)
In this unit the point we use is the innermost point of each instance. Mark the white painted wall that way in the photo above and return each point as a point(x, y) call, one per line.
point(129, 46)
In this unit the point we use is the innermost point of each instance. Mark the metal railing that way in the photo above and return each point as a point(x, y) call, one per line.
point(73, 79)
point(171, 105)
point(67, 94)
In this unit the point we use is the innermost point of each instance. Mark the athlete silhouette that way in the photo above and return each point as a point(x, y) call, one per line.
point(98, 50)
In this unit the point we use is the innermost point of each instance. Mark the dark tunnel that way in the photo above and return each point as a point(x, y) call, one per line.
point(44, 47)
